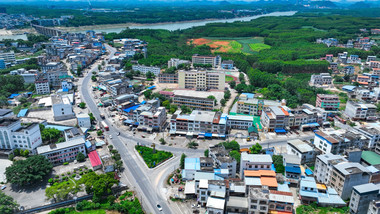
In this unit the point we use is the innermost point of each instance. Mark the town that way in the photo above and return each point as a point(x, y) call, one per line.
point(96, 121)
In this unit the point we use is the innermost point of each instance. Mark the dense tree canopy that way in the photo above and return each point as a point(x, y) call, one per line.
point(99, 185)
point(7, 204)
point(29, 171)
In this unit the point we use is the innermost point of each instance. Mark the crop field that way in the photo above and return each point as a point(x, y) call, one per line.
point(257, 47)
point(229, 44)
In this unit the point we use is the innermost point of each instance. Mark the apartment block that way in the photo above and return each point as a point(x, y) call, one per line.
point(239, 122)
point(222, 160)
point(254, 162)
point(14, 135)
point(258, 200)
point(301, 149)
point(149, 116)
point(197, 103)
point(292, 168)
point(63, 152)
point(345, 176)
point(173, 62)
point(201, 80)
point(360, 111)
point(337, 142)
point(62, 108)
point(145, 69)
point(168, 78)
point(321, 79)
point(42, 86)
point(9, 57)
point(362, 196)
point(374, 206)
point(247, 104)
point(275, 119)
point(324, 165)
point(328, 101)
point(214, 61)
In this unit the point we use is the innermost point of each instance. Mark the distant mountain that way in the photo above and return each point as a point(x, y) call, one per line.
point(361, 4)
point(327, 4)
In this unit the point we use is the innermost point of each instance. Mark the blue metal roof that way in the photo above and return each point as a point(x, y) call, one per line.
point(208, 134)
point(88, 144)
point(280, 130)
point(249, 95)
point(192, 164)
point(60, 128)
point(293, 169)
point(152, 87)
point(131, 108)
point(65, 90)
point(308, 172)
point(348, 88)
point(143, 102)
point(13, 96)
point(313, 124)
point(22, 112)
point(128, 121)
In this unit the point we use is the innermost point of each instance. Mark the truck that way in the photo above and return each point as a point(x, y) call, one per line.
point(105, 126)
point(102, 116)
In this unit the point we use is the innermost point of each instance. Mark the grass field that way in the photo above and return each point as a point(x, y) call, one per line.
point(257, 47)
point(230, 44)
point(229, 79)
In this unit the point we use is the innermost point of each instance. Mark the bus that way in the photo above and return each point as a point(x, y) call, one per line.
point(105, 126)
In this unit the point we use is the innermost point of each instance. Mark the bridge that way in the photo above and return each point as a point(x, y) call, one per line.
point(50, 32)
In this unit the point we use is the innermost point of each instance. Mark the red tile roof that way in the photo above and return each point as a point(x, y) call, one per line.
point(94, 158)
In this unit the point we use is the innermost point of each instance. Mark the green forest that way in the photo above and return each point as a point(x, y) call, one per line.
point(281, 72)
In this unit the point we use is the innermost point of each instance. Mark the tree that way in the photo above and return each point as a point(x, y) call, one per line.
point(182, 161)
point(235, 155)
point(23, 100)
point(162, 141)
point(93, 78)
point(166, 104)
point(149, 75)
point(223, 102)
point(62, 191)
point(7, 204)
point(80, 157)
point(256, 149)
point(227, 95)
point(99, 185)
point(79, 70)
point(50, 135)
point(241, 88)
point(99, 67)
point(99, 132)
point(233, 84)
point(233, 145)
point(192, 145)
point(241, 77)
point(92, 118)
point(278, 163)
point(206, 153)
point(82, 105)
point(29, 171)
point(25, 153)
point(148, 94)
point(212, 97)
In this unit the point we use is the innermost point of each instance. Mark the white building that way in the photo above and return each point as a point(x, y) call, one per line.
point(324, 165)
point(173, 62)
point(145, 69)
point(13, 135)
point(62, 108)
point(5, 113)
point(239, 122)
point(201, 80)
point(83, 120)
point(321, 79)
point(358, 111)
point(8, 57)
point(303, 150)
point(214, 61)
point(254, 162)
point(63, 152)
point(67, 85)
point(42, 86)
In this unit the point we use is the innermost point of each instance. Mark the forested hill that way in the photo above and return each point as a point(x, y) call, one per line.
point(279, 72)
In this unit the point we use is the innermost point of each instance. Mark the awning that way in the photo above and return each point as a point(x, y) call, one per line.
point(190, 134)
point(308, 172)
point(222, 135)
point(280, 130)
point(208, 134)
point(313, 124)
point(128, 121)
point(201, 134)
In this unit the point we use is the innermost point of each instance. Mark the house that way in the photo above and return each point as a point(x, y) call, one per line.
point(222, 160)
point(62, 108)
point(42, 86)
point(338, 141)
point(63, 152)
point(215, 205)
point(83, 120)
point(254, 162)
point(360, 111)
point(280, 201)
point(237, 205)
point(321, 79)
point(6, 113)
point(301, 149)
point(227, 64)
point(258, 200)
point(260, 178)
point(191, 166)
point(362, 196)
point(349, 70)
point(95, 160)
point(328, 101)
point(324, 165)
point(292, 168)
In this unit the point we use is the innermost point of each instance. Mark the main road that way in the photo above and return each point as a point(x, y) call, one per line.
point(148, 183)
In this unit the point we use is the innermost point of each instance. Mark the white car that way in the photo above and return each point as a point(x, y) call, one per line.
point(159, 207)
point(110, 136)
point(3, 187)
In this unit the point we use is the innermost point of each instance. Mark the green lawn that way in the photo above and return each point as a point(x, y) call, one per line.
point(229, 79)
point(31, 56)
point(153, 159)
point(244, 41)
point(257, 47)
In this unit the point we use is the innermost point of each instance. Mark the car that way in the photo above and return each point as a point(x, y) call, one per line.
point(110, 136)
point(3, 187)
point(118, 134)
point(159, 207)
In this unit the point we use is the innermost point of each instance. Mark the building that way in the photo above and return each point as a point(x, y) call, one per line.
point(260, 178)
point(324, 165)
point(173, 62)
point(2, 64)
point(201, 80)
point(345, 176)
point(238, 205)
point(14, 135)
point(67, 85)
point(247, 104)
point(168, 78)
point(359, 111)
point(301, 149)
point(321, 79)
point(280, 201)
point(222, 160)
point(292, 168)
point(62, 108)
point(6, 113)
point(148, 116)
point(214, 61)
point(83, 120)
point(191, 166)
point(375, 31)
point(197, 103)
point(254, 162)
point(275, 119)
point(374, 207)
point(60, 153)
point(9, 57)
point(42, 86)
point(328, 101)
point(349, 70)
point(362, 196)
point(258, 200)
point(145, 69)
point(203, 124)
point(337, 142)
point(239, 122)
point(227, 64)
point(95, 160)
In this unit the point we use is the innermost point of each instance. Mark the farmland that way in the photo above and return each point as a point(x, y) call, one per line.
point(257, 47)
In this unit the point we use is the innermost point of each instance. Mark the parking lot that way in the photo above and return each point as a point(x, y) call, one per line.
point(4, 163)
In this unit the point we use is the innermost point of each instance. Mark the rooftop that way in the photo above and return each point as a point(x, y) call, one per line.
point(349, 168)
point(371, 157)
point(300, 145)
point(366, 188)
point(4, 112)
point(331, 158)
point(240, 202)
point(256, 158)
point(59, 146)
point(216, 203)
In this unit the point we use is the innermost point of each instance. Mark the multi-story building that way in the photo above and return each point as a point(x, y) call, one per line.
point(280, 201)
point(197, 103)
point(359, 111)
point(199, 123)
point(62, 108)
point(372, 133)
point(6, 113)
point(349, 70)
point(324, 165)
point(222, 160)
point(42, 86)
point(361, 197)
point(301, 149)
point(2, 64)
point(54, 72)
point(328, 101)
point(145, 69)
point(214, 61)
point(63, 152)
point(374, 64)
point(247, 104)
point(292, 168)
point(258, 200)
point(239, 122)
point(238, 205)
point(173, 62)
point(227, 64)
point(9, 57)
point(275, 119)
point(149, 116)
point(374, 206)
point(168, 78)
point(254, 162)
point(14, 135)
point(336, 142)
point(201, 80)
point(321, 79)
point(345, 176)
point(83, 120)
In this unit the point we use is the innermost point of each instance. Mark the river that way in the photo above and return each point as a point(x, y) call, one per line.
point(165, 26)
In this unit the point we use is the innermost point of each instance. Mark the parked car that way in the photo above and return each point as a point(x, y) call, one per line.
point(3, 187)
point(159, 207)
